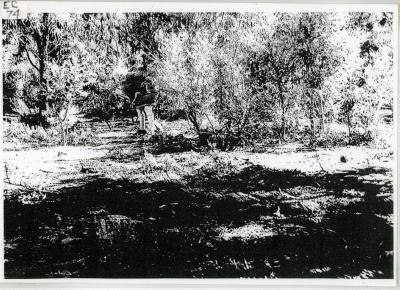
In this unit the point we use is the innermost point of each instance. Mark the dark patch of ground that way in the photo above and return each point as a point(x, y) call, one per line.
point(122, 229)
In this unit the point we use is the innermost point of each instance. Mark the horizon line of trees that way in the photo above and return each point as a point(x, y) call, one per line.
point(237, 77)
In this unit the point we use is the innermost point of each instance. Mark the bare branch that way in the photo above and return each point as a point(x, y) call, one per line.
point(30, 60)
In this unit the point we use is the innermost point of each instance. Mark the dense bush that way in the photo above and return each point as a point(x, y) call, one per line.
point(238, 78)
point(275, 81)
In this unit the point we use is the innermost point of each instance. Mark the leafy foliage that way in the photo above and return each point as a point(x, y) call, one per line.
point(238, 78)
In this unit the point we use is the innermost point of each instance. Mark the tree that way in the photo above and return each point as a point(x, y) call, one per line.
point(362, 86)
point(318, 60)
point(105, 65)
point(39, 41)
point(374, 75)
point(274, 65)
point(202, 70)
point(183, 71)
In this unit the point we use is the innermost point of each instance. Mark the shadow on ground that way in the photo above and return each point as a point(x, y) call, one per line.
point(252, 223)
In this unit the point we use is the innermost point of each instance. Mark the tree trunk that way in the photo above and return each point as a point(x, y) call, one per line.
point(322, 118)
point(322, 123)
point(42, 41)
point(63, 135)
point(203, 136)
point(108, 124)
point(283, 116)
point(375, 116)
point(283, 125)
point(312, 127)
point(349, 125)
point(192, 118)
point(312, 119)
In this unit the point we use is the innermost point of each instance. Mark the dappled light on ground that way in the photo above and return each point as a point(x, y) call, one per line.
point(255, 222)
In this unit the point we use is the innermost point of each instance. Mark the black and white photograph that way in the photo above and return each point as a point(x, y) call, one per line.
point(200, 144)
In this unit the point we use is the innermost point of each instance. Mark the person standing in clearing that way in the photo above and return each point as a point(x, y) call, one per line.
point(143, 105)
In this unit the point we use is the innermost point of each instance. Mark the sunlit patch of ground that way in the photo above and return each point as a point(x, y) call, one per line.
point(246, 232)
point(324, 159)
point(46, 167)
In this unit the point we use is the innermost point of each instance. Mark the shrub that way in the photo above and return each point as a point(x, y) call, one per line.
point(382, 137)
point(357, 138)
point(171, 144)
point(172, 115)
point(332, 138)
point(19, 133)
point(83, 136)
